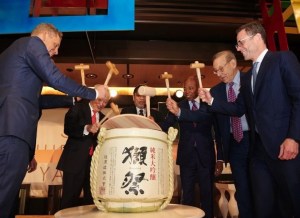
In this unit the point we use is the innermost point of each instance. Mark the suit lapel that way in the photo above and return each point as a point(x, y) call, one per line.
point(265, 64)
point(87, 113)
point(223, 91)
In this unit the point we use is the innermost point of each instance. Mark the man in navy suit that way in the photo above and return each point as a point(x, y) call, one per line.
point(139, 107)
point(270, 94)
point(75, 160)
point(196, 152)
point(235, 151)
point(25, 66)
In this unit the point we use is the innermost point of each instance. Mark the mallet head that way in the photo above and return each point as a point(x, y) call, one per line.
point(197, 65)
point(112, 67)
point(146, 91)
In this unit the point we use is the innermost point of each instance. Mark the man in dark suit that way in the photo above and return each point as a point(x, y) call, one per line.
point(139, 107)
point(81, 126)
point(270, 93)
point(235, 151)
point(196, 152)
point(25, 66)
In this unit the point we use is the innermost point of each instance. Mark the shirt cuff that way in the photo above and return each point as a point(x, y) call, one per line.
point(211, 102)
point(179, 113)
point(85, 132)
point(97, 94)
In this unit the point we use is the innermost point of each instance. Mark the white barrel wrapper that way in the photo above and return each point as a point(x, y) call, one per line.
point(130, 170)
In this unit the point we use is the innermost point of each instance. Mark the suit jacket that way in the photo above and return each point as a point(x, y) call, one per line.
point(25, 66)
point(274, 108)
point(190, 136)
point(158, 117)
point(220, 94)
point(75, 156)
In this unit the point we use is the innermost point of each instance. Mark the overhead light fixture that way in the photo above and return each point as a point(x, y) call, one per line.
point(179, 93)
point(113, 93)
point(128, 76)
point(70, 70)
point(91, 76)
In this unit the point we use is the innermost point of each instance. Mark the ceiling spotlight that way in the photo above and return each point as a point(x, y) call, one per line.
point(113, 93)
point(179, 93)
point(69, 70)
point(128, 76)
point(91, 76)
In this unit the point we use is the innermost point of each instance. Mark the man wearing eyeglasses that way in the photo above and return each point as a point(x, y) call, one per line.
point(236, 150)
point(270, 94)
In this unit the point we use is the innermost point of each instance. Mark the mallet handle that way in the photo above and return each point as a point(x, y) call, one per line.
point(148, 105)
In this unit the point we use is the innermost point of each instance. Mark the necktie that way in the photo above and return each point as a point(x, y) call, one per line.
point(236, 123)
point(94, 120)
point(141, 112)
point(194, 108)
point(254, 74)
point(94, 117)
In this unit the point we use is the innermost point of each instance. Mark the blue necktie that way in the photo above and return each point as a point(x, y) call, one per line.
point(254, 74)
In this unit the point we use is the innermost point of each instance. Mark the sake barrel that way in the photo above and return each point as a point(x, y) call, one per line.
point(132, 167)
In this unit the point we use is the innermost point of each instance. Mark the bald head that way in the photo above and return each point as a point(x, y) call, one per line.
point(225, 65)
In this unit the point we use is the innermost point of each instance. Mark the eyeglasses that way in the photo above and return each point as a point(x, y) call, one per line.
point(221, 69)
point(241, 42)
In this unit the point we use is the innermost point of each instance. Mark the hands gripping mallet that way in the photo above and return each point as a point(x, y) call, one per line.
point(197, 66)
point(166, 77)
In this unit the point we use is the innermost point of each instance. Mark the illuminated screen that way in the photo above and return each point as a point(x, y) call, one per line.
point(16, 17)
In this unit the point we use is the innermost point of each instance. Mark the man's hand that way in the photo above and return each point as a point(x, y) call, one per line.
point(151, 118)
point(218, 168)
point(32, 166)
point(93, 128)
point(205, 95)
point(102, 91)
point(289, 149)
point(172, 106)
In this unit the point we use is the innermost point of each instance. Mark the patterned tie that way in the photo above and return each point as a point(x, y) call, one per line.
point(236, 123)
point(254, 74)
point(194, 108)
point(94, 120)
point(141, 112)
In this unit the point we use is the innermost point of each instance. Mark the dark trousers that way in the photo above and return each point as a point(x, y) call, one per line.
point(239, 163)
point(276, 184)
point(73, 184)
point(14, 159)
point(190, 175)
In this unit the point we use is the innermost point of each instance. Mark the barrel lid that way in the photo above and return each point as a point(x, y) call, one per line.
point(130, 120)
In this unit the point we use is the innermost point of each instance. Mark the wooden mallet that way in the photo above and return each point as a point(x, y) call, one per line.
point(147, 91)
point(82, 67)
point(114, 109)
point(112, 70)
point(166, 77)
point(197, 66)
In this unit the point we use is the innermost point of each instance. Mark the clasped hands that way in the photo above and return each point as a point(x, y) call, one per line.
point(93, 128)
